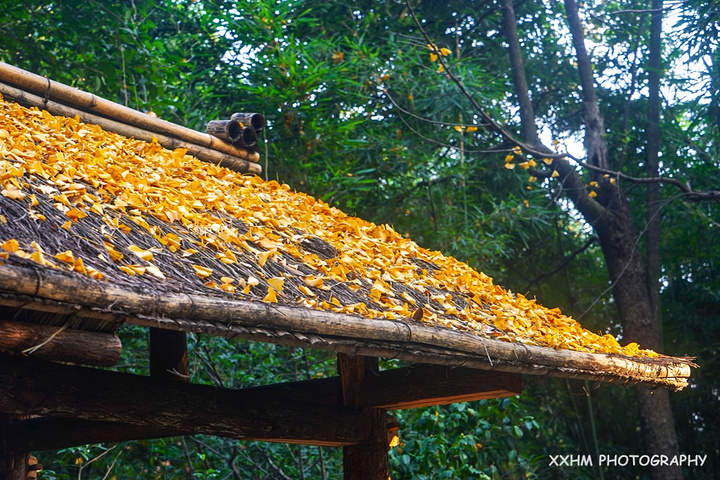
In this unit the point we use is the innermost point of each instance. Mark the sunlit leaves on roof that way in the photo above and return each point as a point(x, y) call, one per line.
point(238, 235)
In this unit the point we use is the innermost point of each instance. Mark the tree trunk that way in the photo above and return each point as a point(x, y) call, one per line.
point(628, 277)
point(594, 124)
point(652, 234)
point(611, 219)
point(527, 114)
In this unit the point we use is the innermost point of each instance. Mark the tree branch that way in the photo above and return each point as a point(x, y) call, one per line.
point(575, 187)
point(562, 266)
point(576, 190)
point(594, 126)
point(686, 189)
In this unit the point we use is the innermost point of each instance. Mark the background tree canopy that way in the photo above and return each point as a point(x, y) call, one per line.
point(362, 113)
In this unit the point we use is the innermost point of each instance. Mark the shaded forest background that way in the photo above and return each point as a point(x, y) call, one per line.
point(361, 114)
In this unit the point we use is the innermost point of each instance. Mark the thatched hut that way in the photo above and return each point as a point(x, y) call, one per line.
point(99, 230)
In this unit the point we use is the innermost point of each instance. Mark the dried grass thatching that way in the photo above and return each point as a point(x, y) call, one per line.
point(128, 219)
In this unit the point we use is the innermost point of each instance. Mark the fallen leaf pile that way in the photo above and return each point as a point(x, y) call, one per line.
point(119, 210)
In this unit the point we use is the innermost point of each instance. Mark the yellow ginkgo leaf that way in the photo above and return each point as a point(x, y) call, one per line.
point(141, 253)
point(39, 257)
point(97, 275)
point(264, 256)
point(305, 291)
point(155, 271)
point(76, 214)
point(13, 193)
point(179, 153)
point(311, 281)
point(66, 256)
point(270, 297)
point(11, 245)
point(202, 272)
point(79, 266)
point(277, 283)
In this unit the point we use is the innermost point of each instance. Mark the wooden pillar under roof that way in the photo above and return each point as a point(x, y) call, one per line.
point(168, 355)
point(14, 464)
point(367, 460)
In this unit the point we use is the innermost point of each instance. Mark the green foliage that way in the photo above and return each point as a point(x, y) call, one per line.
point(464, 440)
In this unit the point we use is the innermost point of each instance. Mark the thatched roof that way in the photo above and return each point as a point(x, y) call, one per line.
point(97, 229)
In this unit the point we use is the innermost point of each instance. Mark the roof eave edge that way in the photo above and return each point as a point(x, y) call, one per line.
point(303, 327)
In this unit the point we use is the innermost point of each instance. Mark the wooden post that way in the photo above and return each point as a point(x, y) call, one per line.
point(13, 464)
point(168, 355)
point(367, 460)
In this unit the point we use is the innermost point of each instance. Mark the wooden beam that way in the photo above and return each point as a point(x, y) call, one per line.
point(56, 343)
point(428, 385)
point(54, 433)
point(367, 460)
point(34, 387)
point(168, 355)
point(407, 387)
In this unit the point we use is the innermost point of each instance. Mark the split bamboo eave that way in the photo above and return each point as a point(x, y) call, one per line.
point(60, 292)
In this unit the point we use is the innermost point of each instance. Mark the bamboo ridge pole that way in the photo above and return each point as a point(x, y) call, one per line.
point(248, 139)
point(228, 130)
point(254, 120)
point(78, 99)
point(233, 162)
point(233, 131)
